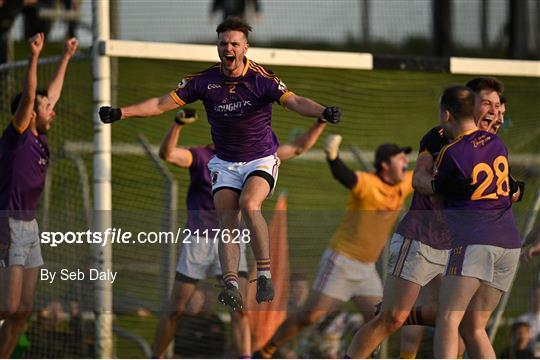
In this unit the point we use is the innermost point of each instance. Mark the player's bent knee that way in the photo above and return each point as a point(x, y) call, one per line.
point(250, 204)
point(468, 331)
point(392, 321)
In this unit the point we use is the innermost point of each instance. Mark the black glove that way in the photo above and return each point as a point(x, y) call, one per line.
point(186, 116)
point(453, 187)
point(331, 114)
point(434, 141)
point(516, 185)
point(108, 115)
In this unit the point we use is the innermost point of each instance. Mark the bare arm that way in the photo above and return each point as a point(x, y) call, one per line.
point(301, 143)
point(532, 243)
point(57, 81)
point(23, 115)
point(303, 106)
point(169, 152)
point(422, 175)
point(150, 107)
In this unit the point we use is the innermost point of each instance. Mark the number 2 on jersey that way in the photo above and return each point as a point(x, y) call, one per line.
point(499, 170)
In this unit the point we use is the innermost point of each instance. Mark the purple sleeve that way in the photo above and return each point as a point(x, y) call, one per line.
point(11, 136)
point(187, 91)
point(445, 165)
point(196, 159)
point(275, 89)
point(201, 157)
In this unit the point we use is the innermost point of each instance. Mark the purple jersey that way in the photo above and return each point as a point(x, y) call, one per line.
point(200, 204)
point(24, 159)
point(424, 221)
point(486, 217)
point(239, 109)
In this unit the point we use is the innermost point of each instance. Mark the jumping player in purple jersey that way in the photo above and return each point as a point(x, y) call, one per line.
point(485, 241)
point(199, 258)
point(237, 94)
point(24, 158)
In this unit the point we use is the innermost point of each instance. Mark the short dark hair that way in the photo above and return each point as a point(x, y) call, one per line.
point(459, 101)
point(519, 324)
point(486, 83)
point(17, 99)
point(236, 24)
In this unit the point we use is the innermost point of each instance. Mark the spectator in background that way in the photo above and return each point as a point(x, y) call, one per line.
point(9, 9)
point(235, 8)
point(519, 348)
point(532, 319)
point(71, 5)
point(33, 23)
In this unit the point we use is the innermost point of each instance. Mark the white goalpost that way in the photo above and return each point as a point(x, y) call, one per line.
point(101, 70)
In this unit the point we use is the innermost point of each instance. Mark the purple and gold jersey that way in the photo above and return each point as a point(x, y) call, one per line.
point(485, 218)
point(200, 204)
point(239, 109)
point(424, 221)
point(24, 159)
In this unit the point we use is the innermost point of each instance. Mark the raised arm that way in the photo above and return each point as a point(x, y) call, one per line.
point(308, 107)
point(532, 244)
point(57, 81)
point(150, 107)
point(301, 143)
point(340, 171)
point(23, 114)
point(168, 150)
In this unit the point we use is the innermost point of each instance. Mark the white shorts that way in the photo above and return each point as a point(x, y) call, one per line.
point(19, 244)
point(200, 260)
point(493, 265)
point(415, 261)
point(343, 278)
point(233, 175)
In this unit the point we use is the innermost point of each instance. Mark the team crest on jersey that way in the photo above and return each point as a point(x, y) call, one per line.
point(182, 84)
point(214, 175)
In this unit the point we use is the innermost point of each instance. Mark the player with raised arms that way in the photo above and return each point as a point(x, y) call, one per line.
point(199, 257)
point(237, 94)
point(24, 159)
point(347, 267)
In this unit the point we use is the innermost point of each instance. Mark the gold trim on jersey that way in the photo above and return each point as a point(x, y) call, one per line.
point(443, 150)
point(283, 97)
point(261, 70)
point(176, 98)
point(20, 129)
point(246, 67)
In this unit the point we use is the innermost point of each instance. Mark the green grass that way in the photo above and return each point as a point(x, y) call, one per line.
point(378, 106)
